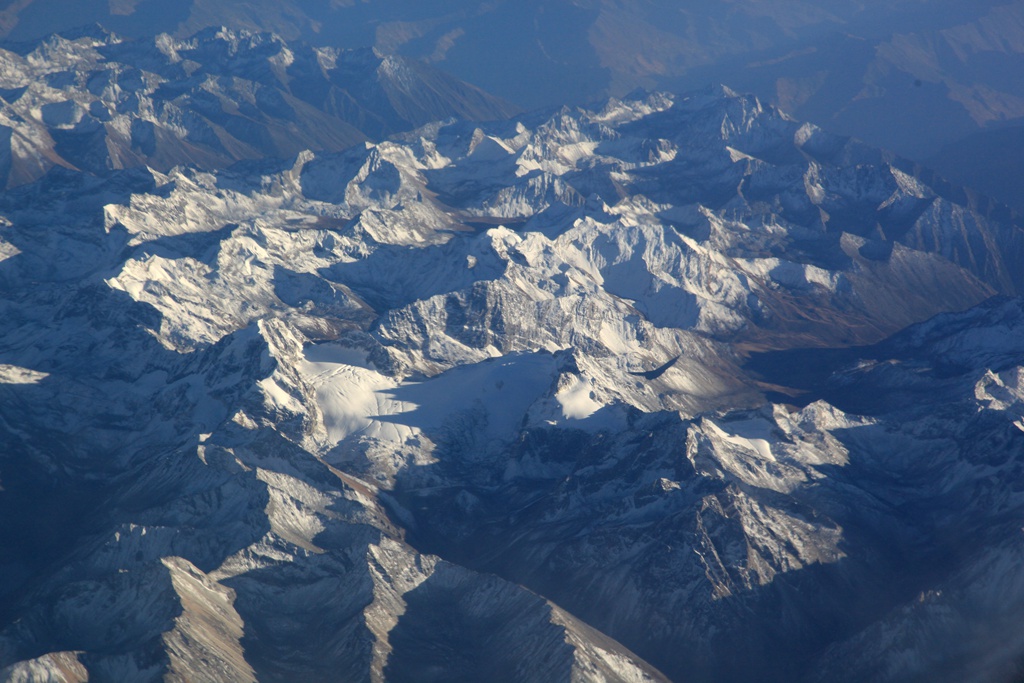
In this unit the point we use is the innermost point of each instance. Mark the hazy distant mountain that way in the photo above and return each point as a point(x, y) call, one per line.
point(922, 82)
point(990, 160)
point(911, 76)
point(90, 100)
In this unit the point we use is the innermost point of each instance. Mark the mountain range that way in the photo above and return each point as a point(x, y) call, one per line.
point(671, 387)
point(89, 100)
point(913, 76)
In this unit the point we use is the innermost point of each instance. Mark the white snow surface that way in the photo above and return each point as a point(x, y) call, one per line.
point(12, 374)
point(577, 400)
point(351, 394)
point(754, 435)
point(358, 401)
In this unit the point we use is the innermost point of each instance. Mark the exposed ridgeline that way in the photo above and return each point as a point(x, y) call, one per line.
point(92, 101)
point(477, 402)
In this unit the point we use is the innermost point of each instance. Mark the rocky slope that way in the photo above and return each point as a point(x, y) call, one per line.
point(482, 398)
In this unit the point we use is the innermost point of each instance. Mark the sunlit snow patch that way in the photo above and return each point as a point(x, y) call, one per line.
point(12, 374)
point(496, 392)
point(349, 393)
point(753, 435)
point(356, 400)
point(576, 400)
point(7, 250)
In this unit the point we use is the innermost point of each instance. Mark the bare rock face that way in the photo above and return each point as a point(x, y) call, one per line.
point(595, 395)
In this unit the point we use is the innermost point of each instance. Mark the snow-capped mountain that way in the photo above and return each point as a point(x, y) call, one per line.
point(93, 101)
point(908, 75)
point(525, 400)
